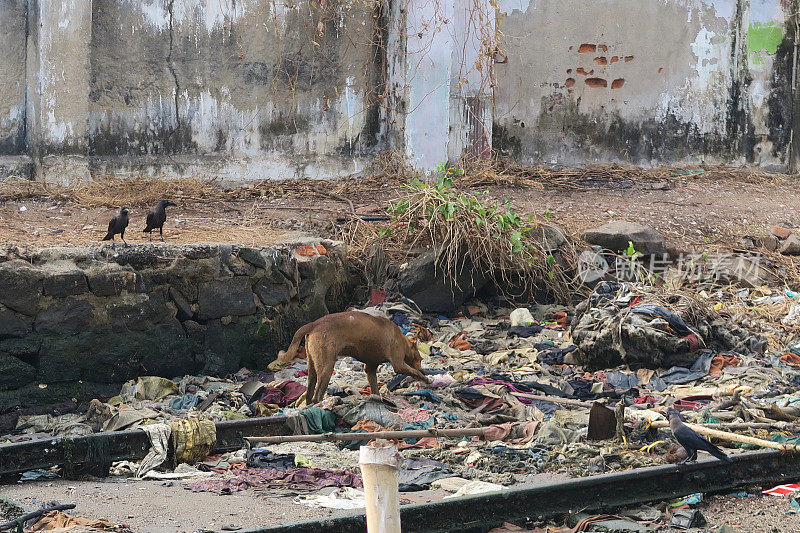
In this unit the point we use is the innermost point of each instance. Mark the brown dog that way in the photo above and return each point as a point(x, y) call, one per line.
point(370, 339)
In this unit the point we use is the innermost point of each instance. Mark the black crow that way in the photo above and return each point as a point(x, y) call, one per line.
point(157, 217)
point(690, 440)
point(118, 225)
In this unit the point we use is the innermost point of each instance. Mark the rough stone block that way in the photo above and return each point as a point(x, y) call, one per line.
point(12, 325)
point(272, 294)
point(15, 373)
point(64, 358)
point(138, 312)
point(65, 284)
point(253, 256)
point(424, 283)
point(26, 348)
point(20, 286)
point(185, 311)
point(64, 317)
point(549, 237)
point(112, 283)
point(791, 246)
point(615, 236)
point(237, 266)
point(232, 296)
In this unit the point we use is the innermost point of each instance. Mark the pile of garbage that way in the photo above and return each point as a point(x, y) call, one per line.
point(532, 379)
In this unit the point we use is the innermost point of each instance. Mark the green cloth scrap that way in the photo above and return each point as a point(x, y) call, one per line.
point(319, 420)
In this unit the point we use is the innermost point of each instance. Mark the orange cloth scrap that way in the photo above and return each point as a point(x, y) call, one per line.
point(460, 342)
point(720, 361)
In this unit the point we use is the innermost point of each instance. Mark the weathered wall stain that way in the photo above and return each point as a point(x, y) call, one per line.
point(245, 90)
point(690, 80)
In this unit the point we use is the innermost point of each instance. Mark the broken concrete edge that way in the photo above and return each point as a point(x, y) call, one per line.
point(128, 445)
point(606, 491)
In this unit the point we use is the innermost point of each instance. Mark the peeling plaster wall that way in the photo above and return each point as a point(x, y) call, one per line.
point(245, 90)
point(255, 89)
point(667, 81)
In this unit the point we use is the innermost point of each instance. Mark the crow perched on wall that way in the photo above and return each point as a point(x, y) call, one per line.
point(157, 217)
point(117, 226)
point(690, 440)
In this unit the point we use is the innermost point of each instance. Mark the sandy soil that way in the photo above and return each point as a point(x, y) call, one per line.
point(690, 212)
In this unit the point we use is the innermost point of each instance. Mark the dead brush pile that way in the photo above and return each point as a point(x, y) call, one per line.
point(108, 191)
point(501, 172)
point(508, 248)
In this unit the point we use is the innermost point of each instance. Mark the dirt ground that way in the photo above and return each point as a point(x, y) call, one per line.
point(689, 213)
point(164, 507)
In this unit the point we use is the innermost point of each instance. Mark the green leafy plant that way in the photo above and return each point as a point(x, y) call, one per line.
point(466, 225)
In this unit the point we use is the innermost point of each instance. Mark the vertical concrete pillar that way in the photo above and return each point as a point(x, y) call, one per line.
point(429, 51)
point(440, 78)
point(58, 76)
point(471, 80)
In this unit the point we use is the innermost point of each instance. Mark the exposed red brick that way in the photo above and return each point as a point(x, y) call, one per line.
point(569, 83)
point(307, 251)
point(596, 82)
point(619, 82)
point(781, 232)
point(603, 47)
point(569, 71)
point(628, 59)
point(585, 48)
point(615, 59)
point(583, 72)
point(601, 60)
point(661, 70)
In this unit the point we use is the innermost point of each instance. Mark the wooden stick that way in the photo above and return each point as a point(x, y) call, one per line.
point(379, 463)
point(393, 435)
point(554, 399)
point(619, 412)
point(734, 437)
point(339, 197)
point(729, 425)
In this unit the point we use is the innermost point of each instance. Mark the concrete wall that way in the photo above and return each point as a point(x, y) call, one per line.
point(13, 31)
point(246, 90)
point(668, 81)
point(78, 320)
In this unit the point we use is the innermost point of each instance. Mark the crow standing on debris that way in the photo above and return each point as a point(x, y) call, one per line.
point(690, 440)
point(118, 225)
point(157, 217)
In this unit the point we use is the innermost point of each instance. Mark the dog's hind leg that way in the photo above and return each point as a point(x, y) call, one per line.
point(312, 380)
point(372, 377)
point(324, 373)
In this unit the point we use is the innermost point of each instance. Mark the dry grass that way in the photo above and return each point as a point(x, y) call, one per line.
point(500, 172)
point(108, 191)
point(469, 230)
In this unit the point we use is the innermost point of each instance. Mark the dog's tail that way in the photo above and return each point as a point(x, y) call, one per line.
point(291, 352)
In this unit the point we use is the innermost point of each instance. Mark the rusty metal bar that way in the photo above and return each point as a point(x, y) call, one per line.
point(480, 513)
point(129, 445)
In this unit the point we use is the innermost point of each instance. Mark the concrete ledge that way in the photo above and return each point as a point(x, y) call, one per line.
point(232, 169)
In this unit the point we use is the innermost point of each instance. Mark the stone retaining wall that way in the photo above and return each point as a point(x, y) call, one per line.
point(76, 322)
